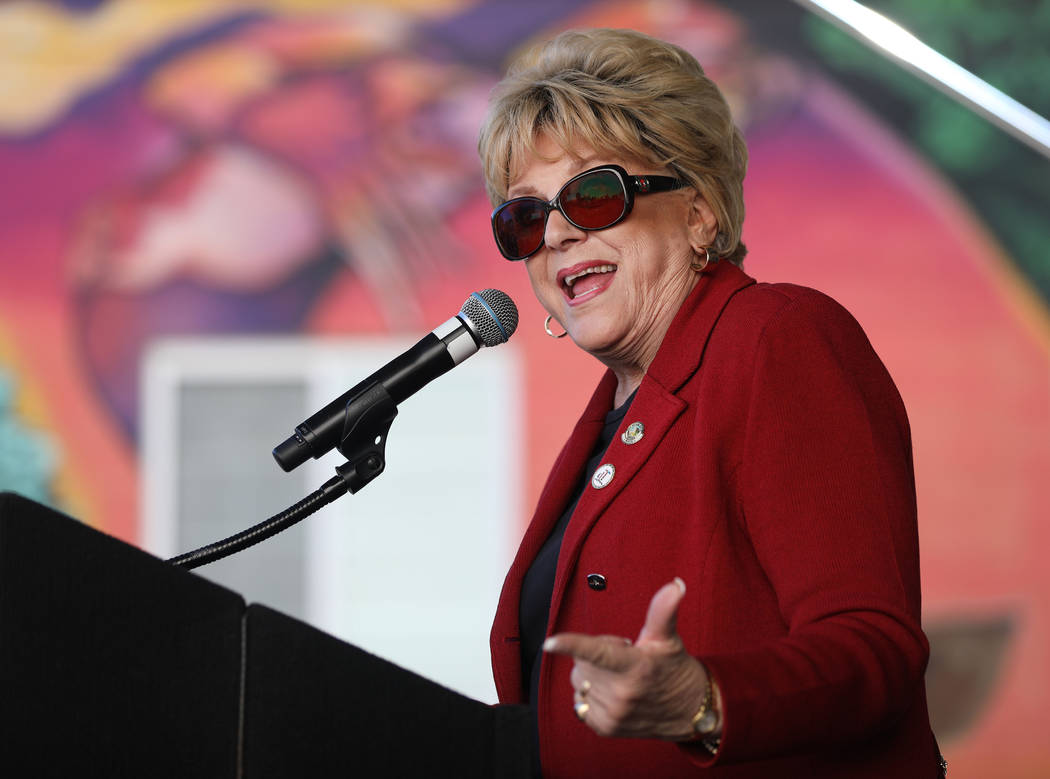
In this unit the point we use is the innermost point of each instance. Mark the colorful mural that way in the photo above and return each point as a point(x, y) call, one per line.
point(276, 167)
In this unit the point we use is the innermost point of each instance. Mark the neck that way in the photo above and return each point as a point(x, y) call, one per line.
point(626, 383)
point(631, 361)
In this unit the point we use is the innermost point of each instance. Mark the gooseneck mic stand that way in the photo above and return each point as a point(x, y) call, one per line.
point(366, 423)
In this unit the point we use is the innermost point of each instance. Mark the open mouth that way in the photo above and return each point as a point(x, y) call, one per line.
point(580, 281)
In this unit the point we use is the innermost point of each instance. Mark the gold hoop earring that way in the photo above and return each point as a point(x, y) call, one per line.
point(547, 327)
point(699, 266)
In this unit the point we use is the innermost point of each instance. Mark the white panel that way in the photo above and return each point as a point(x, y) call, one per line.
point(411, 567)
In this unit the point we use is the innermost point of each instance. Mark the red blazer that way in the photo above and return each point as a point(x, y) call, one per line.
point(775, 477)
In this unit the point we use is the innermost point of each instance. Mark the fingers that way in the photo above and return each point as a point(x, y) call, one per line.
point(579, 683)
point(662, 617)
point(608, 651)
point(611, 653)
point(620, 689)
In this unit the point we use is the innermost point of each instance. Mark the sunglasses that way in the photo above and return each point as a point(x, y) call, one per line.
point(593, 200)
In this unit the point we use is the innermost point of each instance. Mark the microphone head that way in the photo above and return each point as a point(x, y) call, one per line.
point(492, 316)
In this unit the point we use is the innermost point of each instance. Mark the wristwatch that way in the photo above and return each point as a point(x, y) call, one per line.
point(705, 721)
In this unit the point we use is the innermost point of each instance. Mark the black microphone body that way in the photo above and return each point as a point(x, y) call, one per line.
point(435, 354)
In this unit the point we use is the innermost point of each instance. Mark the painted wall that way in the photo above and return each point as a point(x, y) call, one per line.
point(208, 170)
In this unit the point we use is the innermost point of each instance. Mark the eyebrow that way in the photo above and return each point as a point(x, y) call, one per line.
point(581, 165)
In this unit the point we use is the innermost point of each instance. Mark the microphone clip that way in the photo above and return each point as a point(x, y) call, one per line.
point(366, 423)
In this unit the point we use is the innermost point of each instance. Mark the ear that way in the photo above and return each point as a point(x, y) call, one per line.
point(703, 224)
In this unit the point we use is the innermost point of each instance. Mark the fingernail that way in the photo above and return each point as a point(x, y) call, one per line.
point(680, 583)
point(549, 644)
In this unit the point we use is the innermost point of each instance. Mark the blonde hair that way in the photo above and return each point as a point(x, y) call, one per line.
point(626, 93)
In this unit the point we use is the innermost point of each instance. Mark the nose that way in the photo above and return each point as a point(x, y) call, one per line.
point(560, 232)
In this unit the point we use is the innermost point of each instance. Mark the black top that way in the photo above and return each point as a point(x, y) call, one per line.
point(538, 585)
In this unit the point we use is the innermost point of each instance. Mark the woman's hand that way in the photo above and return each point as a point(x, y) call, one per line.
point(651, 689)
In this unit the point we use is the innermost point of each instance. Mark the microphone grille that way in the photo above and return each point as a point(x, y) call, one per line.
point(493, 315)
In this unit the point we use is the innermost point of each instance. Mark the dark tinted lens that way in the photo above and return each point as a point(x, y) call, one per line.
point(595, 200)
point(519, 227)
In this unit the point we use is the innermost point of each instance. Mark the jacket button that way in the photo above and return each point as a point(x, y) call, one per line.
point(596, 581)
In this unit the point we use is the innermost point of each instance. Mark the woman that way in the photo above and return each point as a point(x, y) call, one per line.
point(722, 571)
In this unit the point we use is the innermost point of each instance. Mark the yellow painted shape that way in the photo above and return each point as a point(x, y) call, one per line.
point(49, 56)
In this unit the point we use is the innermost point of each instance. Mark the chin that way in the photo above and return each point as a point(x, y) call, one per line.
point(592, 337)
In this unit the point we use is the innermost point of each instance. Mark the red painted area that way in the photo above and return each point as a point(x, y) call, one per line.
point(836, 204)
point(96, 478)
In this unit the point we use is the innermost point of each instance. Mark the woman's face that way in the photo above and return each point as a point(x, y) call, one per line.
point(635, 274)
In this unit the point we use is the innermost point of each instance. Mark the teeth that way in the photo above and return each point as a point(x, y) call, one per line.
point(597, 269)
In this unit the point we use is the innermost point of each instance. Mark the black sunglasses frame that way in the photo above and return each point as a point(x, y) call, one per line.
point(632, 185)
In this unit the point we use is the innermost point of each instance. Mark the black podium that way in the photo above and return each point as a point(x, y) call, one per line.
point(114, 663)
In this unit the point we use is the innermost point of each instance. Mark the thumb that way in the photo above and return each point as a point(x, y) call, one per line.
point(660, 621)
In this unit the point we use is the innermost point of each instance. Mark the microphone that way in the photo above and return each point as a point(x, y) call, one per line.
point(487, 318)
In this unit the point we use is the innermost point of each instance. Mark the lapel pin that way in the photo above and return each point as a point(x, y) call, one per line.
point(633, 434)
point(603, 476)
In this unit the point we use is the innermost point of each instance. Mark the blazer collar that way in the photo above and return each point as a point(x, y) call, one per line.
point(683, 347)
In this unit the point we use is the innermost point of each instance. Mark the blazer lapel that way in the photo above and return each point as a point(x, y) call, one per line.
point(655, 406)
point(657, 410)
point(504, 638)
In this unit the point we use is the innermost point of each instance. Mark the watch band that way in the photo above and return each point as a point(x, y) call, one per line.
point(706, 720)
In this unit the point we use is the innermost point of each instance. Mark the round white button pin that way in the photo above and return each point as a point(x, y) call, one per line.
point(603, 476)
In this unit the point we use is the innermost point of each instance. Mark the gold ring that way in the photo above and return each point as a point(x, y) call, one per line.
point(585, 687)
point(581, 710)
